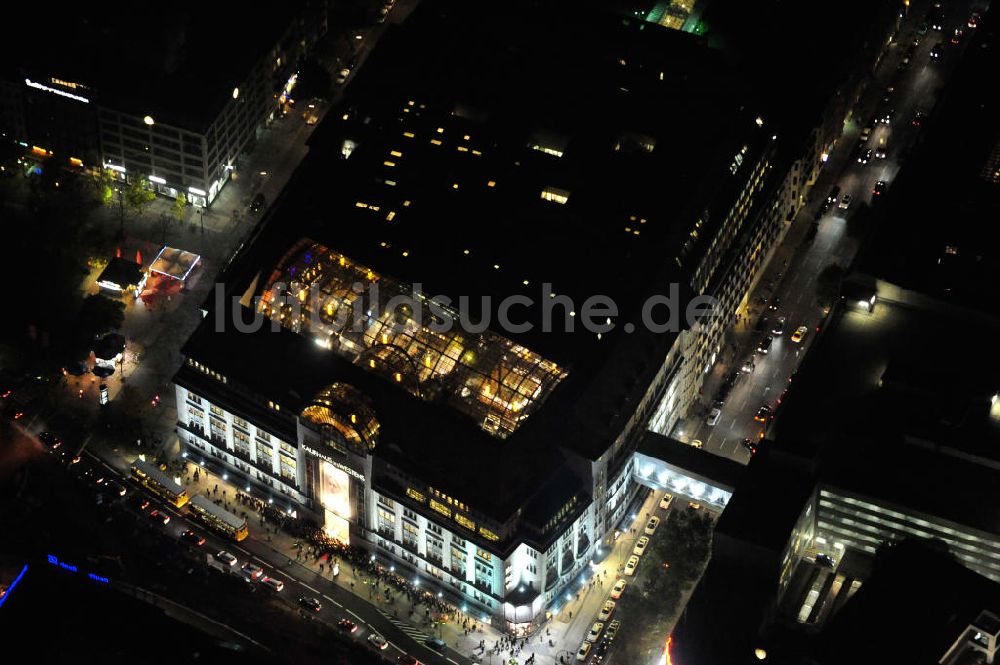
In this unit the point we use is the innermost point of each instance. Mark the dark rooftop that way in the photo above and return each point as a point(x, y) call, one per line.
point(180, 66)
point(768, 499)
point(897, 374)
point(458, 207)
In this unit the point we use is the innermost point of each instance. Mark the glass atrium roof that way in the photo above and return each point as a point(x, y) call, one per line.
point(346, 307)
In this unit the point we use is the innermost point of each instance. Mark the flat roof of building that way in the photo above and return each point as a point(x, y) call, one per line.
point(180, 67)
point(459, 158)
point(887, 407)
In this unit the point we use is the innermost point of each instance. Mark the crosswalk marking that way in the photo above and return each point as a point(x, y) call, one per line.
point(410, 631)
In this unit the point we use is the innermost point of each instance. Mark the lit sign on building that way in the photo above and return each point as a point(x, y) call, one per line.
point(55, 91)
point(54, 560)
point(340, 465)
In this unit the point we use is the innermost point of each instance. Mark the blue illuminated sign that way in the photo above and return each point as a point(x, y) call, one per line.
point(54, 560)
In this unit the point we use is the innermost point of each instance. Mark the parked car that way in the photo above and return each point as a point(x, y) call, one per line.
point(584, 651)
point(606, 610)
point(631, 564)
point(595, 631)
point(640, 545)
point(618, 589)
point(665, 501)
point(651, 525)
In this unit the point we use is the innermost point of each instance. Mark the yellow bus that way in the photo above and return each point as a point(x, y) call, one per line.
point(159, 483)
point(217, 518)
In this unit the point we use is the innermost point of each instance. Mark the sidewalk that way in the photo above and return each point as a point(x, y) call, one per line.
point(429, 607)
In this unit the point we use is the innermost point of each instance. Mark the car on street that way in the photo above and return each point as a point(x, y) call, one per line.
point(618, 589)
point(973, 20)
point(606, 610)
point(226, 558)
point(800, 334)
point(651, 525)
point(825, 560)
point(763, 414)
point(774, 304)
point(845, 202)
point(865, 156)
point(192, 538)
point(779, 327)
point(765, 345)
point(881, 151)
point(584, 651)
point(694, 505)
point(407, 659)
point(713, 417)
point(885, 117)
point(937, 51)
point(665, 501)
point(114, 487)
point(936, 19)
point(631, 564)
point(918, 118)
point(257, 202)
point(601, 651)
point(696, 443)
point(274, 583)
point(252, 571)
point(157, 516)
point(640, 545)
point(750, 445)
point(378, 641)
point(879, 188)
point(747, 366)
point(835, 192)
point(612, 630)
point(310, 603)
point(342, 76)
point(595, 631)
point(347, 625)
point(50, 440)
point(139, 502)
point(956, 36)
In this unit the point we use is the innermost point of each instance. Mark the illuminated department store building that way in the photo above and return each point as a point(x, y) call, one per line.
point(493, 464)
